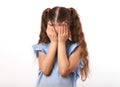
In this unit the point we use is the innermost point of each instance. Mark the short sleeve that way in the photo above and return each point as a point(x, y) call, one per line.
point(77, 70)
point(71, 48)
point(37, 48)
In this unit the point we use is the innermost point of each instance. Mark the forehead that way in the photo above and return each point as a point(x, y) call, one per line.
point(59, 24)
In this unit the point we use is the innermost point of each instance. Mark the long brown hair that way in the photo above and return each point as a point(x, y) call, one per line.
point(71, 17)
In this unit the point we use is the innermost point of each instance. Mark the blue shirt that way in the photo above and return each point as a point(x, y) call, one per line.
point(55, 79)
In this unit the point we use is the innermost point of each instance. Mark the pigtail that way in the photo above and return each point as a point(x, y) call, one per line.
point(43, 35)
point(77, 35)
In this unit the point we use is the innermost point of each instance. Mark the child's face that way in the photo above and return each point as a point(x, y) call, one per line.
point(57, 25)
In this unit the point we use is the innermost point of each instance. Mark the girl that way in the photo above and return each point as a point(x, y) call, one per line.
point(61, 50)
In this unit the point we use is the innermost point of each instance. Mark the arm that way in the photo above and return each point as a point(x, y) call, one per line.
point(67, 65)
point(46, 61)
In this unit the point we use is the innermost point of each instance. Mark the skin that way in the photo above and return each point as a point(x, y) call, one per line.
point(58, 34)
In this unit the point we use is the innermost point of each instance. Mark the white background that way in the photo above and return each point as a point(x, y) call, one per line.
point(20, 27)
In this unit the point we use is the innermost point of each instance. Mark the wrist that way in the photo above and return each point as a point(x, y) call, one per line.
point(61, 43)
point(54, 42)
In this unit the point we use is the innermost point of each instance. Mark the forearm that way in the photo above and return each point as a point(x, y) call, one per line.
point(47, 64)
point(63, 62)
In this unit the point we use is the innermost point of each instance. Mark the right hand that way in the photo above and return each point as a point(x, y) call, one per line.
point(52, 34)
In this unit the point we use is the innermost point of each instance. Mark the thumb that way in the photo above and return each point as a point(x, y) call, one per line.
point(69, 32)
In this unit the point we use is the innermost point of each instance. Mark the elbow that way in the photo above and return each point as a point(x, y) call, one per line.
point(63, 73)
point(45, 72)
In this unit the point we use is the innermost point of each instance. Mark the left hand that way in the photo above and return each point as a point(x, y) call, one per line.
point(51, 33)
point(63, 33)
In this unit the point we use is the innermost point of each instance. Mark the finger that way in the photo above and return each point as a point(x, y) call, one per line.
point(65, 30)
point(49, 23)
point(69, 32)
point(61, 30)
point(58, 30)
point(54, 30)
point(51, 30)
point(54, 33)
point(48, 33)
point(47, 30)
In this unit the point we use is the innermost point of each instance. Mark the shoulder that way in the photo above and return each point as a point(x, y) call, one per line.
point(40, 45)
point(72, 46)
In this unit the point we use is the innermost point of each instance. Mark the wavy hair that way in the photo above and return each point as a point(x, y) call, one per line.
point(71, 17)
